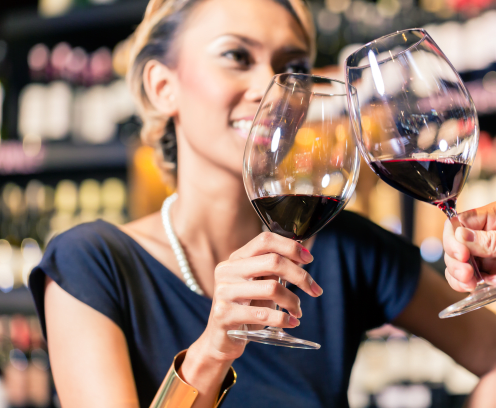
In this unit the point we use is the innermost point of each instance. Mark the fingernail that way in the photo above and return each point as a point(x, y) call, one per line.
point(293, 321)
point(490, 279)
point(305, 254)
point(467, 288)
point(467, 234)
point(316, 288)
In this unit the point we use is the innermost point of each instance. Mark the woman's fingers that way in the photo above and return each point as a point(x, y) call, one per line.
point(268, 265)
point(261, 290)
point(232, 315)
point(237, 280)
point(268, 242)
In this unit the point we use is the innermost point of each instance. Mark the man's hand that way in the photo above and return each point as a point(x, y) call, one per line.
point(476, 236)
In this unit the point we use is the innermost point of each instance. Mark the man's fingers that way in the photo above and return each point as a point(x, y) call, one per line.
point(456, 285)
point(479, 243)
point(483, 218)
point(474, 219)
point(454, 248)
point(460, 271)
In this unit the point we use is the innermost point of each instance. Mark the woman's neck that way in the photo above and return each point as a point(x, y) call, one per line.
point(212, 216)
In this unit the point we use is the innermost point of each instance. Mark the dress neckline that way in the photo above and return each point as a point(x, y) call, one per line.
point(169, 272)
point(154, 260)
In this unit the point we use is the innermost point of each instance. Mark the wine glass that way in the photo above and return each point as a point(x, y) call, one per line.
point(300, 167)
point(416, 126)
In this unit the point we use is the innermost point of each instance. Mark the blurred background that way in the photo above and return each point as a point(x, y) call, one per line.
point(70, 153)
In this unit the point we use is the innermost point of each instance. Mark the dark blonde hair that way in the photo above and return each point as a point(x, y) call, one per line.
point(154, 39)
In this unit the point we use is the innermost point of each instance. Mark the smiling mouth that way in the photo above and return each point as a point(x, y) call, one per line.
point(243, 127)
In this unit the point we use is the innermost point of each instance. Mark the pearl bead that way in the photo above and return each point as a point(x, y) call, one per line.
point(176, 246)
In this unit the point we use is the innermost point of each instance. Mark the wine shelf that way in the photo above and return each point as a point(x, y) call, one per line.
point(17, 301)
point(61, 157)
point(27, 25)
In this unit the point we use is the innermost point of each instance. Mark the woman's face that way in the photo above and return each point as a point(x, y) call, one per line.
point(228, 52)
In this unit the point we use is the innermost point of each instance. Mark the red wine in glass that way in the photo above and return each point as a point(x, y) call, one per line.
point(300, 168)
point(434, 181)
point(297, 216)
point(417, 127)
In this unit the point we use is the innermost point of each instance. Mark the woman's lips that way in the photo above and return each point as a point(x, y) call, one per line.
point(242, 127)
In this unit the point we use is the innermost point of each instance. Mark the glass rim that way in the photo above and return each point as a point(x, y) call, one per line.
point(329, 80)
point(425, 34)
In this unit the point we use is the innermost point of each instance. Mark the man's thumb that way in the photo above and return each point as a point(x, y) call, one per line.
point(479, 243)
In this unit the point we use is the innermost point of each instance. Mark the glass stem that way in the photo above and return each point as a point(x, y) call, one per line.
point(449, 208)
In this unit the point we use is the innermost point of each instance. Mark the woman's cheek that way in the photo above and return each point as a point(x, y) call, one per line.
point(214, 86)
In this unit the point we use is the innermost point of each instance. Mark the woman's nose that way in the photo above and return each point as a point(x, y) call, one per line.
point(259, 84)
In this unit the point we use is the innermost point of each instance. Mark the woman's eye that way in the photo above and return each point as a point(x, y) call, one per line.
point(239, 56)
point(298, 68)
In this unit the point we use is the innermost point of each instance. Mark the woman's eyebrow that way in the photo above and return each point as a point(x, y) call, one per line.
point(291, 49)
point(248, 41)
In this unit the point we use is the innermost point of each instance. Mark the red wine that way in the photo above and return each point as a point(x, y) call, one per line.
point(297, 216)
point(430, 180)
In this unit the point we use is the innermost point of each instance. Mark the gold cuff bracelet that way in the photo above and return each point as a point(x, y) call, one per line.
point(176, 393)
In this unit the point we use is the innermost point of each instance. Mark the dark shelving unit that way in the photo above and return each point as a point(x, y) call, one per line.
point(29, 25)
point(90, 28)
point(17, 301)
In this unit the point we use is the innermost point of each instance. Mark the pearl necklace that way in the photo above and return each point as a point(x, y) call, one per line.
point(188, 277)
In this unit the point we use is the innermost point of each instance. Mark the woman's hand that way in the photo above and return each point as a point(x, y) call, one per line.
point(476, 236)
point(246, 289)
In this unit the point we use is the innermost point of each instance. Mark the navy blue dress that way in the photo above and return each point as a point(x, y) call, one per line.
point(368, 274)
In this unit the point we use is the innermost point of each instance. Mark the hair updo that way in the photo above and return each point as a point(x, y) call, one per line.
point(154, 40)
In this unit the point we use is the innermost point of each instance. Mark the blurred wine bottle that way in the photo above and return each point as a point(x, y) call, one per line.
point(114, 198)
point(30, 217)
point(39, 382)
point(89, 200)
point(3, 87)
point(53, 8)
point(16, 378)
point(65, 203)
point(15, 228)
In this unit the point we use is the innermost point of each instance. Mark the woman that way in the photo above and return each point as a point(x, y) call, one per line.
point(113, 302)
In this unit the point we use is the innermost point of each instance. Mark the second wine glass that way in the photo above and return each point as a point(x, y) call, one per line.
point(300, 167)
point(416, 126)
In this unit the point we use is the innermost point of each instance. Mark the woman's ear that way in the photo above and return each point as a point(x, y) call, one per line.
point(158, 81)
